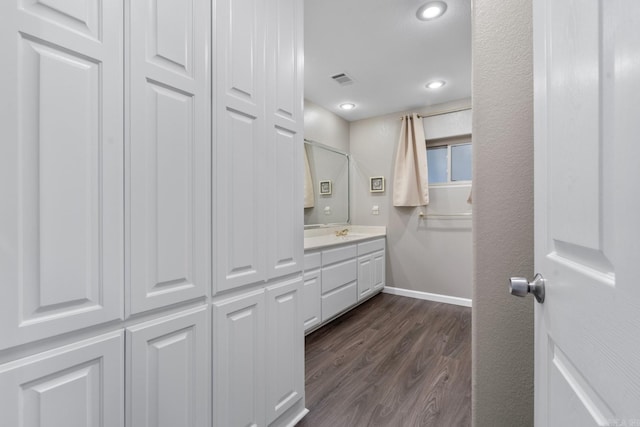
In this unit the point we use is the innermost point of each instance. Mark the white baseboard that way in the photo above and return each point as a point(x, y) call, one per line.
point(466, 302)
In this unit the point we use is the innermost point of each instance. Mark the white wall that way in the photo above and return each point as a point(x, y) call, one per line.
point(502, 326)
point(432, 255)
point(323, 126)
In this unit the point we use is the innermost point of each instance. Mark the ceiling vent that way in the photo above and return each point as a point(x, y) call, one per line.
point(342, 79)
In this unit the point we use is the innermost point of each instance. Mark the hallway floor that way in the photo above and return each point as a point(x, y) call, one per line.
point(392, 361)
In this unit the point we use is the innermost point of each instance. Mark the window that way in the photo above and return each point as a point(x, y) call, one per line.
point(449, 163)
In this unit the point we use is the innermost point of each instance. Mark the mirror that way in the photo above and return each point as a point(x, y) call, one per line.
point(326, 185)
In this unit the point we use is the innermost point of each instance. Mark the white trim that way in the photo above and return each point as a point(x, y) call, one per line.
point(466, 302)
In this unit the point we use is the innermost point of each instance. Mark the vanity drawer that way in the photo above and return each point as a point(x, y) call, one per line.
point(339, 274)
point(339, 300)
point(370, 246)
point(341, 253)
point(312, 260)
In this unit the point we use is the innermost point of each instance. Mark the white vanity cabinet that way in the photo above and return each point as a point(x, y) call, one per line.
point(312, 290)
point(371, 268)
point(340, 276)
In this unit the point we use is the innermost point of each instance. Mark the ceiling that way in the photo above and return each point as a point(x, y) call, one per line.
point(388, 52)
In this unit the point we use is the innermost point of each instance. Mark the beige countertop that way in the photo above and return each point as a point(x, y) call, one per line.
point(316, 238)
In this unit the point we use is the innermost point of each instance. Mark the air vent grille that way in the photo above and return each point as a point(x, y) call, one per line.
point(342, 79)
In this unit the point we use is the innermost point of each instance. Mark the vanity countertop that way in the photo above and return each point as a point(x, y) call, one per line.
point(316, 238)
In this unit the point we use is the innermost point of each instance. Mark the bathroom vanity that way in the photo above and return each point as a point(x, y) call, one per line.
point(341, 270)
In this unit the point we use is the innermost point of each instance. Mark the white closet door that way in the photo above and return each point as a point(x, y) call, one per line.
point(285, 347)
point(239, 360)
point(241, 188)
point(61, 167)
point(285, 137)
point(168, 371)
point(169, 142)
point(77, 385)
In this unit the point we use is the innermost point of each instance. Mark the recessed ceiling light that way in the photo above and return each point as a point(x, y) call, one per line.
point(436, 84)
point(348, 106)
point(431, 10)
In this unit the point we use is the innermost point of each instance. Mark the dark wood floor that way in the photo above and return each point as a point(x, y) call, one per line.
point(393, 361)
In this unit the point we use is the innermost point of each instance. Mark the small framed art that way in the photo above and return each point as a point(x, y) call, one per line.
point(325, 187)
point(376, 184)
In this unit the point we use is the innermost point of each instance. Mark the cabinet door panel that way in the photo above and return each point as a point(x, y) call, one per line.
point(61, 164)
point(240, 230)
point(240, 41)
point(240, 144)
point(168, 371)
point(337, 275)
point(238, 360)
point(338, 300)
point(285, 347)
point(311, 299)
point(285, 50)
point(78, 385)
point(285, 220)
point(365, 276)
point(285, 137)
point(170, 151)
point(378, 270)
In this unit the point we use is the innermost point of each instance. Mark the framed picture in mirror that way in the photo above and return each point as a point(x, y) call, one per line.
point(376, 184)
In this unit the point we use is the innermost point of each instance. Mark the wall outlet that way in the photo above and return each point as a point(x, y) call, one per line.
point(375, 210)
point(327, 210)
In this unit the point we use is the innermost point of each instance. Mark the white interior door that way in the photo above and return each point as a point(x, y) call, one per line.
point(587, 175)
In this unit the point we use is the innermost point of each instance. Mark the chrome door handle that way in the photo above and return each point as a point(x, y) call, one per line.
point(520, 287)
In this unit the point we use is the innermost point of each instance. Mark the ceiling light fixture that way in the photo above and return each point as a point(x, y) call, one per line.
point(436, 84)
point(348, 106)
point(431, 10)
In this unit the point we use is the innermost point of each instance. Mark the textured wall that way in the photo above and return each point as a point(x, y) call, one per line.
point(323, 126)
point(503, 212)
point(423, 255)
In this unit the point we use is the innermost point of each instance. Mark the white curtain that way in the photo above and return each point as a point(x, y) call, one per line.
point(309, 195)
point(410, 179)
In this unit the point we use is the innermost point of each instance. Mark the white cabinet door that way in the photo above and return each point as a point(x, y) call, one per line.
point(61, 167)
point(311, 299)
point(168, 371)
point(77, 385)
point(169, 140)
point(284, 137)
point(240, 144)
point(365, 276)
point(285, 347)
point(378, 259)
point(239, 360)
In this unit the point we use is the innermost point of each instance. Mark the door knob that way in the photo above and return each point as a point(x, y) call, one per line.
point(520, 287)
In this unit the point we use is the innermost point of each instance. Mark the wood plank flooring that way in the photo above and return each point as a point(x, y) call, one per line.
point(393, 361)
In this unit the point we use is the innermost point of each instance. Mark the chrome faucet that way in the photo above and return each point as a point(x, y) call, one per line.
point(342, 233)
